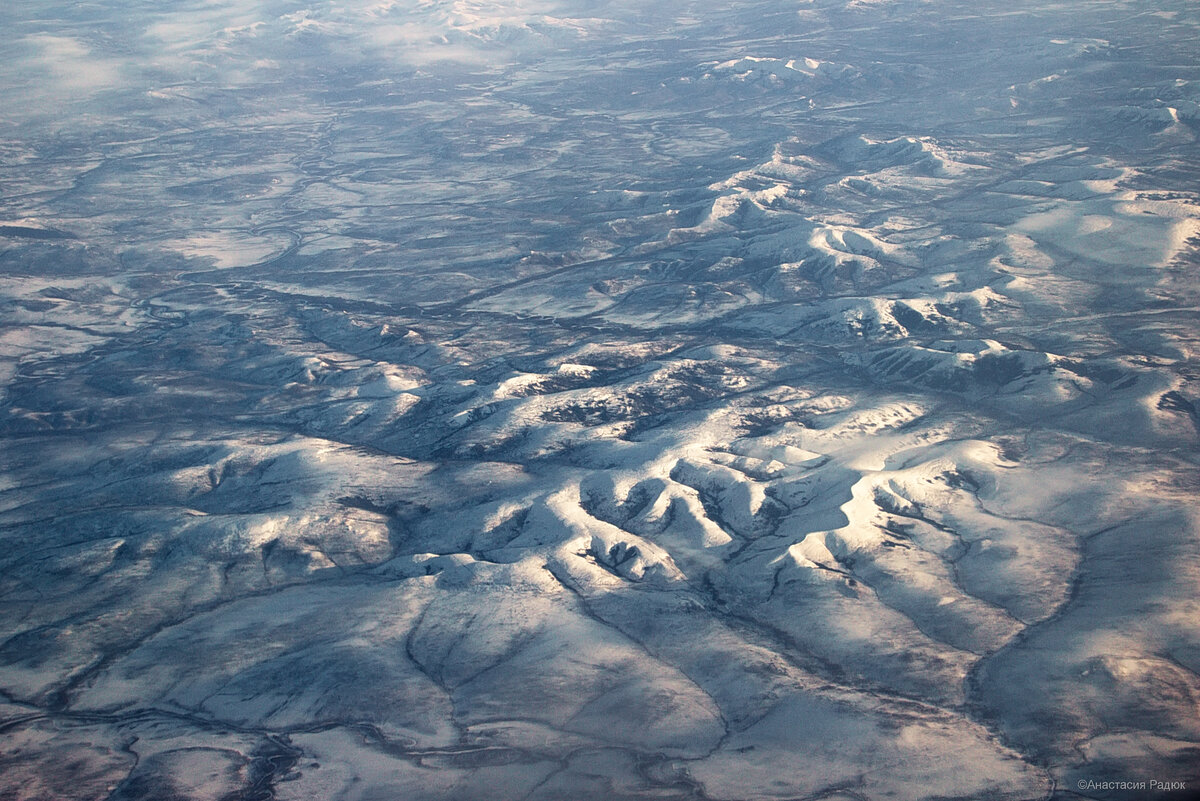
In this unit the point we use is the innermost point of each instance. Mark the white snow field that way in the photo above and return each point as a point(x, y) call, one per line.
point(456, 400)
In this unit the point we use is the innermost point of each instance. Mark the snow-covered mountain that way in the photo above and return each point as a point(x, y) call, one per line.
point(574, 400)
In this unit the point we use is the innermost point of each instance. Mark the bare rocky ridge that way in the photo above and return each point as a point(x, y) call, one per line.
point(473, 401)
